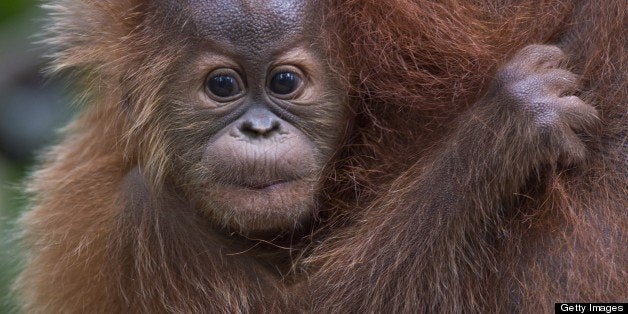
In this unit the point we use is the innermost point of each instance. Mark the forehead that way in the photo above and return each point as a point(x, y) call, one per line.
point(247, 24)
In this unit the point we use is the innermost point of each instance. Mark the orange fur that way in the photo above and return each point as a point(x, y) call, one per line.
point(413, 66)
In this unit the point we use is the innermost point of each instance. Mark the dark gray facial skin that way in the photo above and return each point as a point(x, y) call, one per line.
point(250, 28)
point(253, 160)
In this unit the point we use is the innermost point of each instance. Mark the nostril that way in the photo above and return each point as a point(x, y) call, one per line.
point(263, 126)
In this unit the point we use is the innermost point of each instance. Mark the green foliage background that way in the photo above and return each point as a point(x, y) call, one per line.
point(17, 17)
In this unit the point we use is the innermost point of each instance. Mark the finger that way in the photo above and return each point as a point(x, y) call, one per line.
point(579, 115)
point(561, 82)
point(535, 56)
point(573, 149)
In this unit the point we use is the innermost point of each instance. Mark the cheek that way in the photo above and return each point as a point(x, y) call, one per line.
point(328, 125)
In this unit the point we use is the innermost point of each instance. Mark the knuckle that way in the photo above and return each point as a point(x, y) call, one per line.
point(575, 102)
point(534, 54)
point(540, 50)
point(564, 76)
point(526, 88)
point(532, 49)
point(555, 51)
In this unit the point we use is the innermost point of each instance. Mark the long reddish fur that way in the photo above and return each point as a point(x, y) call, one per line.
point(413, 66)
point(416, 65)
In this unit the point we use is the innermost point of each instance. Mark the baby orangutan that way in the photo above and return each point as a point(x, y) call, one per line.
point(210, 174)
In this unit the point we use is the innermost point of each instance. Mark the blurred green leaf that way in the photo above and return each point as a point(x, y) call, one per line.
point(13, 8)
point(12, 13)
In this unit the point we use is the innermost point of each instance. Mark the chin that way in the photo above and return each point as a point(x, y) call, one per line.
point(276, 207)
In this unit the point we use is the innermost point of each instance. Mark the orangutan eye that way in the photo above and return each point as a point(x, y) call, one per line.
point(286, 82)
point(224, 85)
